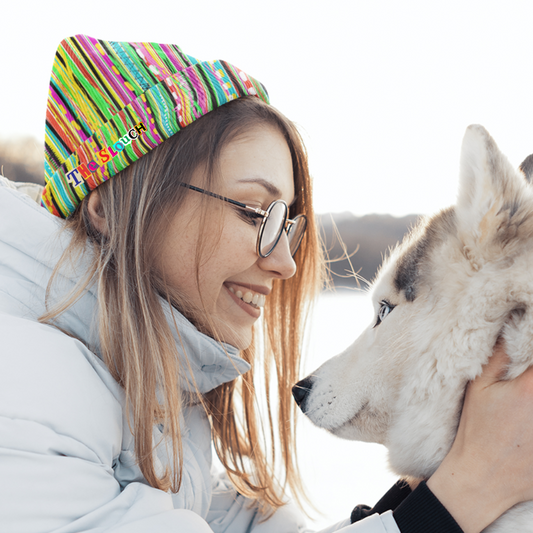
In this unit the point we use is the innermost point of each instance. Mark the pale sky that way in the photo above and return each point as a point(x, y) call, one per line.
point(382, 90)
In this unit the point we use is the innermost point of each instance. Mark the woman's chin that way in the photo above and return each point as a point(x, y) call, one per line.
point(239, 339)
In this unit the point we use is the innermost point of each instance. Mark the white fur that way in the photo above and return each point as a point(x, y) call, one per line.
point(402, 382)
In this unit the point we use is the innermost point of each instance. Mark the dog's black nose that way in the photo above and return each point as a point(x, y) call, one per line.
point(300, 390)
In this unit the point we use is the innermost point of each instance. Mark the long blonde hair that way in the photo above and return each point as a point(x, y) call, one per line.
point(136, 342)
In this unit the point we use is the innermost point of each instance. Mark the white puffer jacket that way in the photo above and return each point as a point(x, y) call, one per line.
point(66, 451)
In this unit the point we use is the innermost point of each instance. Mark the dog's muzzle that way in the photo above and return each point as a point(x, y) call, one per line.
point(301, 390)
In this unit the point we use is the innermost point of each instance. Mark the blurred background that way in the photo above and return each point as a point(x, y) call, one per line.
point(382, 91)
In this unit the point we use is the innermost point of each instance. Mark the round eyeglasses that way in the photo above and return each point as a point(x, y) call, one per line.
point(274, 221)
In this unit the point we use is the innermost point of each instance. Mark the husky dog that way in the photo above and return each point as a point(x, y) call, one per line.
point(460, 279)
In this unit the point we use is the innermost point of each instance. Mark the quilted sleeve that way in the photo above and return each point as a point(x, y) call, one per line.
point(60, 432)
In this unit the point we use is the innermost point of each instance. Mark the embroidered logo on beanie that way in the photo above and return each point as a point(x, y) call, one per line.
point(76, 177)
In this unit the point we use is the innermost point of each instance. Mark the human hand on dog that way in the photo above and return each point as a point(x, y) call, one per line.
point(490, 465)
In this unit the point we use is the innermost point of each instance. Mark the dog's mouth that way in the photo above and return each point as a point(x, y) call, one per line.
point(354, 421)
point(366, 425)
point(324, 417)
point(360, 413)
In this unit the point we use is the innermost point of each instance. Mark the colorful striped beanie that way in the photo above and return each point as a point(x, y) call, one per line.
point(110, 103)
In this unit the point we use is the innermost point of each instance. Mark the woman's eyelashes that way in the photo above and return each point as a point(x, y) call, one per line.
point(249, 216)
point(384, 309)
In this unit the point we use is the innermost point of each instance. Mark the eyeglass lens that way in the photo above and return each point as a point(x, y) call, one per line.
point(273, 228)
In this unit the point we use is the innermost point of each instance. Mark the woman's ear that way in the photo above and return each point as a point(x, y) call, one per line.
point(96, 212)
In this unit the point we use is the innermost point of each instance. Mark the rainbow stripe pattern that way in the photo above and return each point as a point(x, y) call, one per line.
point(106, 95)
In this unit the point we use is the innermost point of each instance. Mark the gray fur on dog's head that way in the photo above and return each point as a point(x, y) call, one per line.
point(410, 265)
point(527, 167)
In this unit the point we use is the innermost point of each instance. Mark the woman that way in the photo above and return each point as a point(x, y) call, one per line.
point(129, 330)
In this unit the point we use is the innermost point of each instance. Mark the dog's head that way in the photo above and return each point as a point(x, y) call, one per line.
point(460, 279)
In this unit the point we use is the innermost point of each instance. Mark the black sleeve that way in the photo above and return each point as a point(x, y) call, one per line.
point(422, 512)
point(417, 511)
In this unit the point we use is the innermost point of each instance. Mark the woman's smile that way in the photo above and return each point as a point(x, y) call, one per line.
point(249, 307)
point(248, 298)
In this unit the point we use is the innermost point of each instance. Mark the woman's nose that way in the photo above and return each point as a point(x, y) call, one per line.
point(280, 261)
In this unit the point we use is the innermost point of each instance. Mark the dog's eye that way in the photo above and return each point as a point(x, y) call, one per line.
point(384, 309)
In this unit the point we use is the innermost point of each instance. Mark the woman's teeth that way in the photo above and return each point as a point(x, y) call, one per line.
point(249, 297)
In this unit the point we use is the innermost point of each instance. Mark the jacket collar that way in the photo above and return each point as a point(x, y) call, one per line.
point(31, 243)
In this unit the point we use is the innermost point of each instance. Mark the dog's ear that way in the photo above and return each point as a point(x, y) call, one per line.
point(494, 204)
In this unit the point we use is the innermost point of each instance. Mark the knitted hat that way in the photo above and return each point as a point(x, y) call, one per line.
point(110, 103)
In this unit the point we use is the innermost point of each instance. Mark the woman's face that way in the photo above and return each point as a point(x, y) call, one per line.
point(256, 169)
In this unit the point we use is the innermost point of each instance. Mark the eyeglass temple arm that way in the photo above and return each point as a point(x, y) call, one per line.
point(229, 200)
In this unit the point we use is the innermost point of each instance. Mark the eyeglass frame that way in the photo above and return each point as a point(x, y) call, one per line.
point(258, 211)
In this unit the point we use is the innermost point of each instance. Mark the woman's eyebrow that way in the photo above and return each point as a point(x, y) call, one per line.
point(270, 188)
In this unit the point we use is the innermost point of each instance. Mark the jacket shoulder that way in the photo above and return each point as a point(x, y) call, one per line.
point(54, 380)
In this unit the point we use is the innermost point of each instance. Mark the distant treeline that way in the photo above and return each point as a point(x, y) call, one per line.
point(370, 235)
point(22, 160)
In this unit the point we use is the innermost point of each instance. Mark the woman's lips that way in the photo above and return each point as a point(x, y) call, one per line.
point(239, 296)
point(249, 297)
